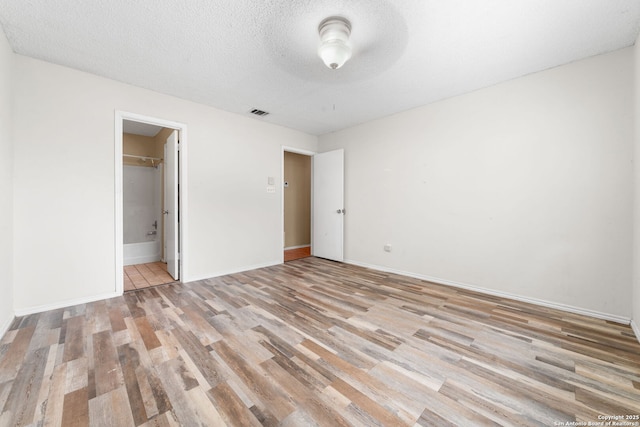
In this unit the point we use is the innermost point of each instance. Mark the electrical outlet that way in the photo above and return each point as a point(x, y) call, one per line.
point(387, 247)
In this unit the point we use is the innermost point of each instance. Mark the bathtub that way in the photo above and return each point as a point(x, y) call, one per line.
point(141, 253)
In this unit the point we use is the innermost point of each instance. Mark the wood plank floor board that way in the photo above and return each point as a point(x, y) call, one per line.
point(129, 360)
point(75, 410)
point(297, 253)
point(110, 409)
point(312, 408)
point(273, 399)
point(22, 399)
point(53, 405)
point(13, 358)
point(45, 386)
point(232, 408)
point(314, 342)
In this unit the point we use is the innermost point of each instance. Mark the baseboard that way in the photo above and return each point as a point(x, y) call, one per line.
point(233, 271)
point(141, 260)
point(536, 301)
point(4, 327)
point(636, 329)
point(62, 304)
point(296, 247)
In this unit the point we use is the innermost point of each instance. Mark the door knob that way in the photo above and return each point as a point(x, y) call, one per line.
point(342, 211)
point(165, 212)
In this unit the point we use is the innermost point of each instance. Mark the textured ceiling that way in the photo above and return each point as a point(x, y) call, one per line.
point(237, 55)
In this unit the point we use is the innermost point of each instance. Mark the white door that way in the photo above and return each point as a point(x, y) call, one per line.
point(328, 205)
point(171, 248)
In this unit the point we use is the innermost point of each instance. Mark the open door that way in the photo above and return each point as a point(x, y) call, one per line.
point(328, 205)
point(172, 250)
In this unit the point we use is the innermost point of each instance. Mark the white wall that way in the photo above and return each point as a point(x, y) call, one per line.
point(522, 188)
point(6, 185)
point(636, 211)
point(64, 183)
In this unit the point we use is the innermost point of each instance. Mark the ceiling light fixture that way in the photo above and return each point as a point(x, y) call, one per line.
point(334, 41)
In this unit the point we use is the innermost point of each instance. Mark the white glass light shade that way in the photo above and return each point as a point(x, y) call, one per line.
point(334, 54)
point(334, 46)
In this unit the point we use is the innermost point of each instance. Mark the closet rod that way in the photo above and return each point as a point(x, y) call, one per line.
point(141, 157)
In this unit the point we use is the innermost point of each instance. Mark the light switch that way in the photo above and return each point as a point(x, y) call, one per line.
point(271, 180)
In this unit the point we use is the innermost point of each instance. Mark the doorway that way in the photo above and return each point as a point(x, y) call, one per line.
point(326, 213)
point(297, 205)
point(149, 202)
point(143, 183)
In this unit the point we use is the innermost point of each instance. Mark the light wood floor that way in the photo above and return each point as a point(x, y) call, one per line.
point(142, 276)
point(313, 342)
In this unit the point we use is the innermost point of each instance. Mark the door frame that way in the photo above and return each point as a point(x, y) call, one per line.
point(120, 116)
point(304, 153)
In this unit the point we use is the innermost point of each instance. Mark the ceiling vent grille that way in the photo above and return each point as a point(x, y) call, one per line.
point(258, 112)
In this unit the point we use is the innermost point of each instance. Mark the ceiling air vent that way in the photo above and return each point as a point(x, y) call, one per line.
point(258, 112)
